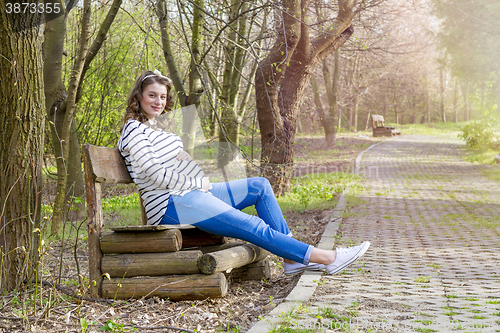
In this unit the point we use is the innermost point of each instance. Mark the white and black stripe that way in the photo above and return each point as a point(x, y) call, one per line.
point(150, 157)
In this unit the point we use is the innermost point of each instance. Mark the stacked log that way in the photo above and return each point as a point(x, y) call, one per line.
point(255, 271)
point(176, 263)
point(173, 287)
point(234, 257)
point(141, 242)
point(151, 264)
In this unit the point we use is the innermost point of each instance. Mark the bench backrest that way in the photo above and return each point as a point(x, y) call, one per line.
point(377, 121)
point(106, 165)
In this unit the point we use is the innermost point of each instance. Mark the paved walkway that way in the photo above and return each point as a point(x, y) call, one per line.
point(434, 264)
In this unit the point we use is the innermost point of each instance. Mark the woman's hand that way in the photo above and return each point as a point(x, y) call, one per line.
point(205, 184)
point(183, 156)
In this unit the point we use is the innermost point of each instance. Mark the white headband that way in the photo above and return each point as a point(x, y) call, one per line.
point(157, 73)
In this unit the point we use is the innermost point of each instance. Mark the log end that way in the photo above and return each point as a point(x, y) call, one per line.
point(207, 264)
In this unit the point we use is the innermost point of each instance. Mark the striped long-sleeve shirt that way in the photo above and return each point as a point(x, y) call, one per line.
point(150, 157)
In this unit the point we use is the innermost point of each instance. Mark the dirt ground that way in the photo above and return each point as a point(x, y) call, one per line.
point(236, 312)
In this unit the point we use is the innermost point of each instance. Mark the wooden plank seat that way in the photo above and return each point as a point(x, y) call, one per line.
point(180, 262)
point(379, 128)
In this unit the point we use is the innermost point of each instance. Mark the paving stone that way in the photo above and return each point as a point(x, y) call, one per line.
point(434, 224)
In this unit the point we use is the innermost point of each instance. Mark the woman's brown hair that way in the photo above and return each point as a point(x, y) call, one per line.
point(133, 110)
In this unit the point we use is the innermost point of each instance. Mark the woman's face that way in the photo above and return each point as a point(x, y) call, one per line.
point(154, 99)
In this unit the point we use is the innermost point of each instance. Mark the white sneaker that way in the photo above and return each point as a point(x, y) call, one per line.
point(346, 256)
point(291, 269)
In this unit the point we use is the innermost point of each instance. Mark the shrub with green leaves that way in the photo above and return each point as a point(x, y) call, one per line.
point(478, 134)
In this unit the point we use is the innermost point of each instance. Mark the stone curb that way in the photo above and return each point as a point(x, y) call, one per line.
point(308, 282)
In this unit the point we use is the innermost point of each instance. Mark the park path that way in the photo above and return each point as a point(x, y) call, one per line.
point(434, 224)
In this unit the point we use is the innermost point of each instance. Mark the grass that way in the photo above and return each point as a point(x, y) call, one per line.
point(353, 201)
point(482, 156)
point(423, 279)
point(450, 313)
point(289, 321)
point(123, 210)
point(430, 129)
point(490, 222)
point(299, 318)
point(433, 178)
point(496, 301)
point(424, 322)
point(341, 133)
point(492, 174)
point(316, 191)
point(425, 330)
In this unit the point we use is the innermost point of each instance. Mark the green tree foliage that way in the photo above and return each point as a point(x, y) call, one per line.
point(129, 49)
point(469, 36)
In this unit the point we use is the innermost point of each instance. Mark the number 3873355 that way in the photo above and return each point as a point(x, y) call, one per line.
point(26, 7)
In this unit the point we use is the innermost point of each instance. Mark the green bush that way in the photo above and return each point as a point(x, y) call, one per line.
point(478, 134)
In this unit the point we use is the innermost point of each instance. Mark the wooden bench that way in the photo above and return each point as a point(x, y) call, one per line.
point(178, 262)
point(379, 128)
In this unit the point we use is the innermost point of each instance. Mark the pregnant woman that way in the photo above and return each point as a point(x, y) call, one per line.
point(175, 189)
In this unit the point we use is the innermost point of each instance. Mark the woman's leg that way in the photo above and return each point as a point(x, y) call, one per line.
point(211, 214)
point(216, 216)
point(256, 191)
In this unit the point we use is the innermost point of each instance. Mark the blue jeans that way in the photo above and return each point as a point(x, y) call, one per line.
point(218, 212)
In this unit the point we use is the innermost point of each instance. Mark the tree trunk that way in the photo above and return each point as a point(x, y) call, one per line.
point(55, 97)
point(352, 119)
point(161, 12)
point(455, 100)
point(329, 119)
point(355, 110)
point(323, 117)
point(22, 124)
point(55, 105)
point(195, 84)
point(231, 117)
point(193, 95)
point(465, 95)
point(65, 133)
point(428, 104)
point(73, 168)
point(384, 108)
point(75, 185)
point(348, 124)
point(367, 125)
point(331, 85)
point(441, 92)
point(280, 83)
point(332, 96)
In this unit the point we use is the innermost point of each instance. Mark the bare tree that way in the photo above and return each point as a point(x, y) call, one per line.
point(282, 77)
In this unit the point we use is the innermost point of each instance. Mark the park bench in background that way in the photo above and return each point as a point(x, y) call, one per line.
point(179, 262)
point(379, 128)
